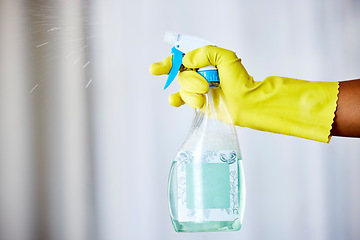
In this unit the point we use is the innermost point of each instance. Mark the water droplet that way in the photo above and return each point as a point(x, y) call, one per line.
point(43, 44)
point(33, 88)
point(54, 29)
point(88, 83)
point(86, 64)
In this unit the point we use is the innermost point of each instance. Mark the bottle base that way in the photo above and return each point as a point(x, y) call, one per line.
point(211, 226)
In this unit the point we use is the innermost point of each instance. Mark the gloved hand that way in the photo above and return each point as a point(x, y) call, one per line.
point(276, 104)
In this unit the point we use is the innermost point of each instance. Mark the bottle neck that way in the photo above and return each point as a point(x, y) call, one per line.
point(211, 75)
point(214, 84)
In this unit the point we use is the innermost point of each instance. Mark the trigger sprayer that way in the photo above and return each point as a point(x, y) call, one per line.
point(182, 44)
point(206, 181)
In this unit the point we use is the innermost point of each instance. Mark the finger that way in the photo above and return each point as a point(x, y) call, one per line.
point(208, 55)
point(175, 100)
point(194, 100)
point(160, 68)
point(191, 81)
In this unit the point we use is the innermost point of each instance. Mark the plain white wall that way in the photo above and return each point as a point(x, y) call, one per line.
point(75, 87)
point(296, 189)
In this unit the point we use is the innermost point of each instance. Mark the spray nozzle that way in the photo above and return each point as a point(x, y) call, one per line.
point(181, 45)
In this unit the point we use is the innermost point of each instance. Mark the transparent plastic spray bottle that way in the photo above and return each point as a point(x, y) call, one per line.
point(206, 181)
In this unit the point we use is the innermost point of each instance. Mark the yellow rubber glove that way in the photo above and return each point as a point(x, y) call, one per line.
point(282, 105)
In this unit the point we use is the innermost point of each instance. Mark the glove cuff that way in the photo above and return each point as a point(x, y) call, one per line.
point(290, 106)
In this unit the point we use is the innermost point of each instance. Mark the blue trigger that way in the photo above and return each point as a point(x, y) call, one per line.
point(176, 64)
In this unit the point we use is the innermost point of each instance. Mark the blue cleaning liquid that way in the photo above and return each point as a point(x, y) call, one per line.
point(209, 205)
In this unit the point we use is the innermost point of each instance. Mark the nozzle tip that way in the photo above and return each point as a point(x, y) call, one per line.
point(171, 38)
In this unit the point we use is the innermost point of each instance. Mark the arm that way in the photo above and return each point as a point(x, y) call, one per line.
point(276, 104)
point(347, 114)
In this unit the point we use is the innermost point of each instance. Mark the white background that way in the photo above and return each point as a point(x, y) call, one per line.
point(296, 189)
point(86, 147)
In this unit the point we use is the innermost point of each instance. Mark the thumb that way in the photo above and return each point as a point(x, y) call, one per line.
point(208, 55)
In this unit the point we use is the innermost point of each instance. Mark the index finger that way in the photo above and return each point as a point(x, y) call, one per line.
point(208, 55)
point(163, 67)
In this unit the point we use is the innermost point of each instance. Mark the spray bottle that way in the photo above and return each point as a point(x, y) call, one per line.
point(206, 182)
